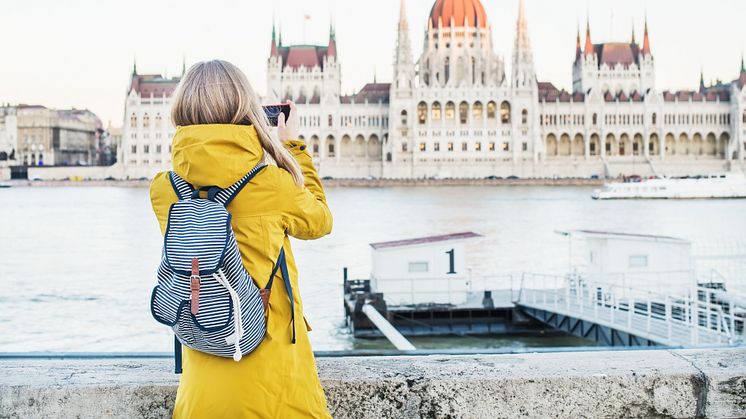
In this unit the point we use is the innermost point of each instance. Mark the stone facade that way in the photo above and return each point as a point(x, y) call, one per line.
point(456, 112)
point(56, 137)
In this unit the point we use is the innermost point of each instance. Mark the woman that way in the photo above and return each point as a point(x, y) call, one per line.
point(222, 133)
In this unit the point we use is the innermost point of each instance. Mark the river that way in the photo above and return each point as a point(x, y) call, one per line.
point(78, 263)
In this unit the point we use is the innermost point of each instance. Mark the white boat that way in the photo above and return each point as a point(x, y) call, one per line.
point(725, 185)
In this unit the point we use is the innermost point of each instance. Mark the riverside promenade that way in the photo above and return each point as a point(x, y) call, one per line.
point(692, 383)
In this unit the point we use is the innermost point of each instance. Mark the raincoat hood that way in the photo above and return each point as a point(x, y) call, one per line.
point(215, 154)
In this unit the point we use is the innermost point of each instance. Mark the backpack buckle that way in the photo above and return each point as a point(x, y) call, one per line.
point(194, 282)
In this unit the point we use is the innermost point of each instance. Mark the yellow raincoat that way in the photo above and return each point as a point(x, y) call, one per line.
point(278, 379)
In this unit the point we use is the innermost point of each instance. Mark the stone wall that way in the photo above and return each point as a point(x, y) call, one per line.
point(638, 384)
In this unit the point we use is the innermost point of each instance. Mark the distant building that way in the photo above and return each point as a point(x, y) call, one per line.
point(8, 134)
point(109, 144)
point(456, 112)
point(147, 129)
point(52, 137)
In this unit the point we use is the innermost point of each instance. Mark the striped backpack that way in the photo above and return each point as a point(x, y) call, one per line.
point(204, 293)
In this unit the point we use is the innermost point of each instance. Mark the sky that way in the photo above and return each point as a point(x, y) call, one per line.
point(79, 53)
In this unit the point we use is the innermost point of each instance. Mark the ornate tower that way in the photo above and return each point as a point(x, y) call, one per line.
point(523, 59)
point(403, 62)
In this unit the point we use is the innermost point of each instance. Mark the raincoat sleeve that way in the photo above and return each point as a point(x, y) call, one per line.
point(306, 213)
point(162, 195)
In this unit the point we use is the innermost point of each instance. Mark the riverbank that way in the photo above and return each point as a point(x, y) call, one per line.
point(338, 183)
point(638, 384)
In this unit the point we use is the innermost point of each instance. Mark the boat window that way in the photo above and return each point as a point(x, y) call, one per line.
point(418, 267)
point(638, 261)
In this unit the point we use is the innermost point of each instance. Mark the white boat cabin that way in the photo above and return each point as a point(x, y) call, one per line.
point(425, 270)
point(649, 263)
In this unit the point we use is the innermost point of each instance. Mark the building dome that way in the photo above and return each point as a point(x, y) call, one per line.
point(461, 11)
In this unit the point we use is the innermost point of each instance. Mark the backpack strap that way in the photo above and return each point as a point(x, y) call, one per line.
point(225, 196)
point(282, 265)
point(182, 188)
point(177, 355)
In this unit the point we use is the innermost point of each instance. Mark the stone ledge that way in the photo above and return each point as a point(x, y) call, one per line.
point(649, 383)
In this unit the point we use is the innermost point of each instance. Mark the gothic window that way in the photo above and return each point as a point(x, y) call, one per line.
point(422, 112)
point(447, 69)
point(491, 110)
point(145, 120)
point(450, 110)
point(158, 119)
point(134, 149)
point(473, 70)
point(330, 148)
point(404, 147)
point(436, 111)
point(133, 120)
point(655, 118)
point(330, 120)
point(476, 111)
point(463, 112)
point(744, 117)
point(505, 112)
point(524, 117)
point(404, 117)
point(595, 119)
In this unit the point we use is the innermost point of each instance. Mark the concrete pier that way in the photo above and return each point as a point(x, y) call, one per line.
point(637, 384)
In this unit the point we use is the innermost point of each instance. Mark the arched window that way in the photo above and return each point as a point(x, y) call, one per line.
point(595, 119)
point(524, 117)
point(655, 118)
point(447, 69)
point(330, 148)
point(145, 120)
point(133, 120)
point(158, 120)
point(436, 111)
point(422, 112)
point(491, 110)
point(505, 112)
point(476, 111)
point(463, 112)
point(404, 117)
point(330, 120)
point(450, 110)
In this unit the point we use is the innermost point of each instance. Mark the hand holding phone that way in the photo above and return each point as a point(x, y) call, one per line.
point(288, 128)
point(274, 111)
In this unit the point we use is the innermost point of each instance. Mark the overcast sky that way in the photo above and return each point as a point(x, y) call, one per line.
point(79, 53)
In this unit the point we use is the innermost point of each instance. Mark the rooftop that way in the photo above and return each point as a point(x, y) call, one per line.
point(425, 240)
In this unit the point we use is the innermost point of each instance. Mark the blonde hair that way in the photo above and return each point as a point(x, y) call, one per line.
point(217, 92)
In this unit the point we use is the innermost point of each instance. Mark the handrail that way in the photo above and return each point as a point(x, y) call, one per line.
point(696, 318)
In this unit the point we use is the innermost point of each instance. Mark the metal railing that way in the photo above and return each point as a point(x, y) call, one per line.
point(700, 318)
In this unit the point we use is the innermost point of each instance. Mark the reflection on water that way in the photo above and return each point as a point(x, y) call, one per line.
point(78, 264)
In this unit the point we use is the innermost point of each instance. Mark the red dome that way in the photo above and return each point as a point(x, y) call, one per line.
point(460, 11)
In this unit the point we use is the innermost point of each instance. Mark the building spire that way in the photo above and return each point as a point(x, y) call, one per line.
point(183, 65)
point(633, 34)
point(743, 68)
point(646, 39)
point(578, 51)
point(134, 66)
point(701, 80)
point(588, 44)
point(403, 24)
point(523, 60)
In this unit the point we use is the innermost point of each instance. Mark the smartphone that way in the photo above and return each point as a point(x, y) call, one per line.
point(273, 111)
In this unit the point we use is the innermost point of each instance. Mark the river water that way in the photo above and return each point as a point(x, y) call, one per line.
point(77, 264)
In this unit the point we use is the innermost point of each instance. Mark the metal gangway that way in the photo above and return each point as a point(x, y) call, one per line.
point(617, 315)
